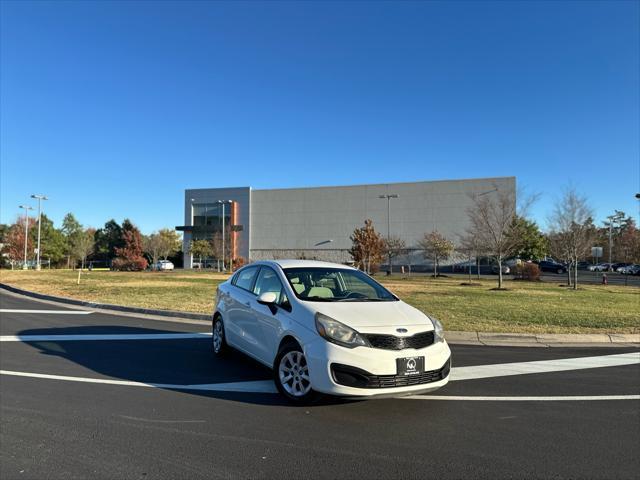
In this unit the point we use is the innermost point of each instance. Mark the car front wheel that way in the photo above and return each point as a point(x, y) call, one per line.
point(291, 375)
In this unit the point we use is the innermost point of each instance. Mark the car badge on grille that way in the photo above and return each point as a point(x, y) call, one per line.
point(401, 330)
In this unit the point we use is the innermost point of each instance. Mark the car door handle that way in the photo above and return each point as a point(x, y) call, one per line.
point(248, 304)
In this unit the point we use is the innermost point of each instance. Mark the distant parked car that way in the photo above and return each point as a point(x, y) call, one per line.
point(630, 270)
point(600, 267)
point(505, 269)
point(585, 266)
point(164, 265)
point(617, 266)
point(551, 266)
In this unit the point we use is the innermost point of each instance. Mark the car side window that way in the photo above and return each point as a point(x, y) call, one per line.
point(245, 278)
point(268, 281)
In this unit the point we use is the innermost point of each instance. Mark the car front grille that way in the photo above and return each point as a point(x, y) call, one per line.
point(391, 342)
point(355, 377)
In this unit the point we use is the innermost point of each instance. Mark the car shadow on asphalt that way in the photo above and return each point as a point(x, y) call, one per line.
point(167, 361)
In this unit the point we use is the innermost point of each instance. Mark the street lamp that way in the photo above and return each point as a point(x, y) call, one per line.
point(613, 218)
point(39, 198)
point(223, 203)
point(26, 232)
point(389, 197)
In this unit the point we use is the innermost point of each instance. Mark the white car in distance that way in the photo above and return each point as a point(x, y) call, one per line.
point(164, 265)
point(325, 328)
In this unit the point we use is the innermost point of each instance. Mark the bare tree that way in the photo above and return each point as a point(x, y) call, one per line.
point(83, 244)
point(394, 247)
point(492, 220)
point(152, 245)
point(571, 224)
point(469, 246)
point(437, 247)
point(367, 248)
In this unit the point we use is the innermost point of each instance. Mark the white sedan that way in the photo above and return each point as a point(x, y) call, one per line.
point(328, 328)
point(164, 265)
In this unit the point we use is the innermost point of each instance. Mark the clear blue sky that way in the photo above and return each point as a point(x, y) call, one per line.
point(114, 108)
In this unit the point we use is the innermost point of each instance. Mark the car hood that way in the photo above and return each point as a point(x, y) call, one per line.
point(374, 314)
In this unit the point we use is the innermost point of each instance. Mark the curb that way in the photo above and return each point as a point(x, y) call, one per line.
point(542, 339)
point(107, 306)
point(454, 337)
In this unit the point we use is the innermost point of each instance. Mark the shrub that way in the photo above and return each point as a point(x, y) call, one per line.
point(527, 271)
point(129, 265)
point(239, 262)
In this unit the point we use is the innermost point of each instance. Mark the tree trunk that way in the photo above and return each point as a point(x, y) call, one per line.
point(435, 267)
point(569, 276)
point(469, 268)
point(575, 278)
point(478, 267)
point(500, 272)
point(79, 272)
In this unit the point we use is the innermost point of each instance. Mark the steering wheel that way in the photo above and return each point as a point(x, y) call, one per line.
point(355, 295)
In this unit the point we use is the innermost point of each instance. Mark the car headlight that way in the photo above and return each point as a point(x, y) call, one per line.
point(438, 330)
point(335, 332)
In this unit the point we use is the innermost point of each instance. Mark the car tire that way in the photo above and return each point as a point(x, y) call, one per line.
point(219, 343)
point(291, 375)
point(560, 271)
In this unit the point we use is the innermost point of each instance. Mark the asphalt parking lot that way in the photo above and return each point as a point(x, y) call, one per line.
point(111, 396)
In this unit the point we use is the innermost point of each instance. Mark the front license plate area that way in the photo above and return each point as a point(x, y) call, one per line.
point(410, 365)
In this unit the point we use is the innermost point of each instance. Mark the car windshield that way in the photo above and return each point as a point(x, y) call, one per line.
point(336, 285)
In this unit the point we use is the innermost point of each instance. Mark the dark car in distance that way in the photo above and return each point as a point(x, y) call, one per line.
point(549, 266)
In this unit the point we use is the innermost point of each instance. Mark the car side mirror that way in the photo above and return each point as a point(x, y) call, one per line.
point(267, 298)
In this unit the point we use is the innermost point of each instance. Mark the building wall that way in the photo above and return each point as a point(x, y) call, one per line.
point(301, 218)
point(298, 222)
point(240, 195)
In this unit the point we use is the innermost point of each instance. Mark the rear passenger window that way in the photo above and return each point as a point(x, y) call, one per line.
point(244, 278)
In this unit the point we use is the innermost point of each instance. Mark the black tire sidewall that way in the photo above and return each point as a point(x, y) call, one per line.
point(224, 348)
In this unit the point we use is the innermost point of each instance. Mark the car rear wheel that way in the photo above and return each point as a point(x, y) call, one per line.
point(218, 338)
point(291, 375)
point(560, 271)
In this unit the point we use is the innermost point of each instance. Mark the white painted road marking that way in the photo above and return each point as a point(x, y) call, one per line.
point(98, 337)
point(55, 312)
point(267, 386)
point(579, 398)
point(543, 366)
point(258, 386)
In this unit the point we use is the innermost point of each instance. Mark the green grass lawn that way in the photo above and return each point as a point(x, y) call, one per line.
point(524, 307)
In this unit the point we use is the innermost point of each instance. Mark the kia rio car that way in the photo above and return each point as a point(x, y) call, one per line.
point(328, 328)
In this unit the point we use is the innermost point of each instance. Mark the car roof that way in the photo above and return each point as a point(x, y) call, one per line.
point(294, 263)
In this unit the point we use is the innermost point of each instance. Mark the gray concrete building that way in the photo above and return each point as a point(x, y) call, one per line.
point(316, 222)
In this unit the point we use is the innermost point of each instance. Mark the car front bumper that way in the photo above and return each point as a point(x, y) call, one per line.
point(368, 372)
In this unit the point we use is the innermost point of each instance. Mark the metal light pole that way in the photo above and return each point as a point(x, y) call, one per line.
point(223, 203)
point(26, 232)
point(39, 198)
point(389, 197)
point(613, 218)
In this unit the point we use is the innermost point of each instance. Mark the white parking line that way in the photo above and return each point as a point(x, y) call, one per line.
point(54, 312)
point(258, 386)
point(98, 337)
point(267, 386)
point(574, 398)
point(543, 366)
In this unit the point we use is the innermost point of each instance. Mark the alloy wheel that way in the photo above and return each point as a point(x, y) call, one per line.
point(293, 373)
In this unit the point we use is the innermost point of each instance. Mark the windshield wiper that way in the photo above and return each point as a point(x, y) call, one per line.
point(319, 299)
point(355, 299)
